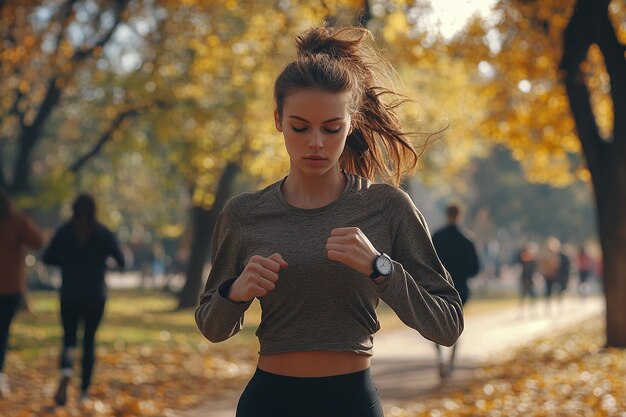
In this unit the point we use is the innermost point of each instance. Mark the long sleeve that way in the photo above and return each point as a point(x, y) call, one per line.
point(420, 290)
point(216, 316)
point(51, 254)
point(114, 250)
point(32, 236)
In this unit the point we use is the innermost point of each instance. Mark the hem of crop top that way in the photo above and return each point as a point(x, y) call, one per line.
point(332, 347)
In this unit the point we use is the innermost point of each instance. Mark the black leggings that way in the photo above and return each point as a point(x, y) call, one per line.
point(271, 395)
point(72, 312)
point(8, 308)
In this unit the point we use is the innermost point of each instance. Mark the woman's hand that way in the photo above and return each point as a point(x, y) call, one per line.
point(257, 279)
point(350, 246)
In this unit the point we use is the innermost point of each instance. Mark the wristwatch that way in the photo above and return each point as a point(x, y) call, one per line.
point(382, 265)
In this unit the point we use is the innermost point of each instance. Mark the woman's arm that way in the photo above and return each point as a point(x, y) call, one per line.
point(217, 317)
point(420, 290)
point(32, 236)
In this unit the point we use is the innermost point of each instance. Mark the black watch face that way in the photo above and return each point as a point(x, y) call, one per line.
point(383, 264)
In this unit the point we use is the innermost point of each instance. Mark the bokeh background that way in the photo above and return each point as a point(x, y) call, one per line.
point(162, 109)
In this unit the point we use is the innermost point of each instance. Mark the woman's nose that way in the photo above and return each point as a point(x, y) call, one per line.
point(316, 141)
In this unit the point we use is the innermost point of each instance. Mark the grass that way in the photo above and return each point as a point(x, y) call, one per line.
point(134, 317)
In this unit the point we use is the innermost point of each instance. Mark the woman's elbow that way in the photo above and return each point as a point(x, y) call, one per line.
point(454, 329)
point(212, 336)
point(211, 333)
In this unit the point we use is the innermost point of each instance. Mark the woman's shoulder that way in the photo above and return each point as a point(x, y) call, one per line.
point(380, 191)
point(245, 203)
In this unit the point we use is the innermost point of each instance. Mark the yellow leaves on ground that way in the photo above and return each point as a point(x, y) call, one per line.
point(566, 375)
point(149, 362)
point(152, 361)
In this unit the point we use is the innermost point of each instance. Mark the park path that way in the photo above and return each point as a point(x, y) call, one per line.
point(404, 365)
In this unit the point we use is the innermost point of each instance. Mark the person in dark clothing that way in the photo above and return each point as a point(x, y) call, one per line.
point(458, 255)
point(80, 248)
point(583, 265)
point(563, 271)
point(527, 260)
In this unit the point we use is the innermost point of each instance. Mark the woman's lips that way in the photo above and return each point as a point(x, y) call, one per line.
point(315, 160)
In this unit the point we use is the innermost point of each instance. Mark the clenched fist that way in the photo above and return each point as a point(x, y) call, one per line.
point(350, 246)
point(257, 279)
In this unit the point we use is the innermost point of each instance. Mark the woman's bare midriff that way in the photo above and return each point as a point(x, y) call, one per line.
point(314, 364)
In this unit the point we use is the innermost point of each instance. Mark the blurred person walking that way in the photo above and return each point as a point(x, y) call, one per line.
point(17, 233)
point(81, 247)
point(551, 269)
point(458, 254)
point(583, 266)
point(527, 259)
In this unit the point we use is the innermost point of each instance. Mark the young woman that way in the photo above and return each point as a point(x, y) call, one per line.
point(17, 232)
point(80, 248)
point(323, 246)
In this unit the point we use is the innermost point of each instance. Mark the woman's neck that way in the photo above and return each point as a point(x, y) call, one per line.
point(313, 192)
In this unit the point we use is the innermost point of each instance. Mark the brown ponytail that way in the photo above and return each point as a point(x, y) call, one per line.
point(338, 60)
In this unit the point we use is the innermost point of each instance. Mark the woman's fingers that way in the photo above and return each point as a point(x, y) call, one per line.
point(258, 277)
point(350, 246)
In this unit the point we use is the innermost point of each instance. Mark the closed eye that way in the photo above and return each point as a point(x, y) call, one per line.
point(302, 129)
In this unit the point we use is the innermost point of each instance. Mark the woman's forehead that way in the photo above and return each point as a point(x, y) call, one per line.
point(315, 103)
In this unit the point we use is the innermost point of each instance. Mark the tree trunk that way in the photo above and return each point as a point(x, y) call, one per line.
point(30, 136)
point(611, 205)
point(606, 160)
point(202, 224)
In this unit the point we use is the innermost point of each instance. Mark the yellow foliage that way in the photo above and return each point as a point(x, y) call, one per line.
point(396, 27)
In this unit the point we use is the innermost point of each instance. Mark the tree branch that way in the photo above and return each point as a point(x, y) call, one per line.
point(15, 108)
point(31, 134)
point(104, 138)
point(66, 11)
point(81, 54)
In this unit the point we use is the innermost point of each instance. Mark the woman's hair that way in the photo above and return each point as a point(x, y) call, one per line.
point(5, 206)
point(338, 60)
point(84, 215)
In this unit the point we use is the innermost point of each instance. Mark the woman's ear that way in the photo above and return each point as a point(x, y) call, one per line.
point(277, 121)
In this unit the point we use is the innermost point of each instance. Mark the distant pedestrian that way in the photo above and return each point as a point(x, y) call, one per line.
point(564, 271)
point(549, 265)
point(583, 266)
point(17, 232)
point(527, 259)
point(80, 248)
point(458, 255)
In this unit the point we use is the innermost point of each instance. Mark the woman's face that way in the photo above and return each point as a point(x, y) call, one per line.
point(315, 125)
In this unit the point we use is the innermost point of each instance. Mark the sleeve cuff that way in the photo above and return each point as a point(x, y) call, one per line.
point(224, 288)
point(383, 284)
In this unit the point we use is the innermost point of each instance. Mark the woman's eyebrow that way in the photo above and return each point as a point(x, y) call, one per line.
point(334, 119)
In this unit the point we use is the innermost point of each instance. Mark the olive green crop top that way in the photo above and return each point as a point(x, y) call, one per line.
point(319, 304)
